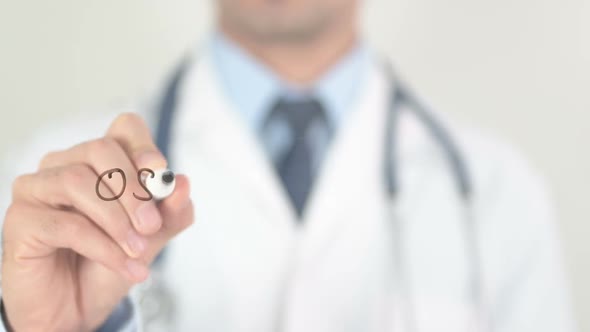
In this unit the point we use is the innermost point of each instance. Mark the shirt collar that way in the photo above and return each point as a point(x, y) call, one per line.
point(252, 87)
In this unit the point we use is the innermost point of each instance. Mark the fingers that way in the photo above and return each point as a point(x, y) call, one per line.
point(106, 154)
point(73, 186)
point(134, 136)
point(178, 208)
point(36, 232)
point(106, 224)
point(128, 145)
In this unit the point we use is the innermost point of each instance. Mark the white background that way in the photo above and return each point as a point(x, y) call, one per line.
point(517, 68)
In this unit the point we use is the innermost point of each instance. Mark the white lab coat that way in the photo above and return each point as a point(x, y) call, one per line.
point(245, 265)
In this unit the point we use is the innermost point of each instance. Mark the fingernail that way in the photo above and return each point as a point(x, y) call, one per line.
point(135, 243)
point(137, 269)
point(148, 218)
point(151, 159)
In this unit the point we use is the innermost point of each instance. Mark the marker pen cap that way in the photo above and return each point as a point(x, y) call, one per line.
point(162, 184)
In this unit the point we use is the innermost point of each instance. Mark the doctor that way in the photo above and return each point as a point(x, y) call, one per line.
point(279, 123)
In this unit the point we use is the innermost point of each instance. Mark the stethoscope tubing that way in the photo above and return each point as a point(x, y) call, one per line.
point(399, 97)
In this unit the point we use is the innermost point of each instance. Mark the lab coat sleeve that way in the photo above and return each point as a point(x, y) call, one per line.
point(528, 286)
point(123, 319)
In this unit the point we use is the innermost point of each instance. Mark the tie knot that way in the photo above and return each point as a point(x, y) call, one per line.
point(303, 126)
point(299, 114)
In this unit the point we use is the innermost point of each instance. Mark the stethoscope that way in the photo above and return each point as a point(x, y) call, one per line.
point(156, 300)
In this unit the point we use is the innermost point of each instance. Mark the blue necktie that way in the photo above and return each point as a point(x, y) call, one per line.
point(294, 166)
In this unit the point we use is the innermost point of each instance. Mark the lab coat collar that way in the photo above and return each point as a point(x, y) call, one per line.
point(253, 87)
point(220, 133)
point(353, 161)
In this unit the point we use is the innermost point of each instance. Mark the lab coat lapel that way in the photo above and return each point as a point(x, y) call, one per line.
point(221, 134)
point(346, 267)
point(335, 273)
point(343, 263)
point(240, 245)
point(351, 170)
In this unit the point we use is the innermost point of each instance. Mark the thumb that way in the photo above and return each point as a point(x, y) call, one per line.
point(177, 214)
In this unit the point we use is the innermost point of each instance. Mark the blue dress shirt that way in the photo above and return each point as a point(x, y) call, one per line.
point(252, 88)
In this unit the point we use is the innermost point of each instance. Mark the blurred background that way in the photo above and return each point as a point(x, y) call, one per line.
point(517, 68)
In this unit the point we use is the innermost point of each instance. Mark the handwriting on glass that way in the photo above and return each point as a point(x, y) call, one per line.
point(109, 175)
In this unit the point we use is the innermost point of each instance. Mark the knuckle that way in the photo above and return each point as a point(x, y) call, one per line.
point(127, 119)
point(70, 227)
point(48, 159)
point(51, 225)
point(12, 215)
point(19, 183)
point(16, 222)
point(75, 176)
point(102, 146)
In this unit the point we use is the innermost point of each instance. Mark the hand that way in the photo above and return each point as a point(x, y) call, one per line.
point(70, 257)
